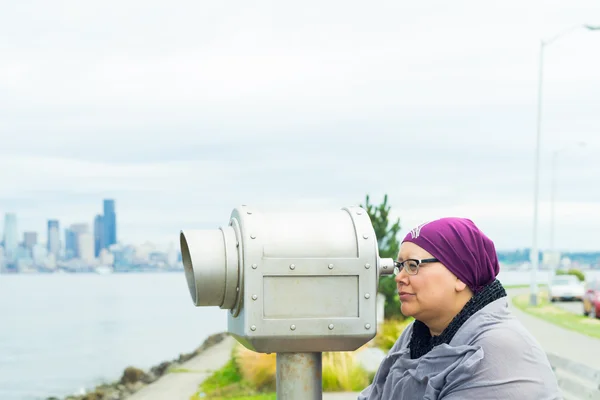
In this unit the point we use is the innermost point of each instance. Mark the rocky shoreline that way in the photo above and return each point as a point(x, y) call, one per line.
point(134, 379)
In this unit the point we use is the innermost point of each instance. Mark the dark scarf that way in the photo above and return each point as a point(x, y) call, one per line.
point(421, 341)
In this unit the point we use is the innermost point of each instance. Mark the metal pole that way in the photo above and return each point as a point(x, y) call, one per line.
point(534, 247)
point(299, 376)
point(553, 266)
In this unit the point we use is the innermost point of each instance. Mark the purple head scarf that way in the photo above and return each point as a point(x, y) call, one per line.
point(461, 247)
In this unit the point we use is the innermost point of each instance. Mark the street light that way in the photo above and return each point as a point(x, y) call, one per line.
point(534, 247)
point(555, 155)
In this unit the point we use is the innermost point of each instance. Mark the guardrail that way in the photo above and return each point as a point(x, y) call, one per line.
point(577, 381)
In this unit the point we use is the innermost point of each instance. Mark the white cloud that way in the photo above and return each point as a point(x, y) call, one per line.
point(183, 111)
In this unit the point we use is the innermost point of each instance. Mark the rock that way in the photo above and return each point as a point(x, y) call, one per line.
point(160, 369)
point(149, 378)
point(92, 396)
point(132, 375)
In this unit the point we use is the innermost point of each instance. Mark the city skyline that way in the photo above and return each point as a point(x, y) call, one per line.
point(80, 248)
point(65, 239)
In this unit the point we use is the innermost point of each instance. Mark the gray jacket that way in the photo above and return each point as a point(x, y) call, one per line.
point(491, 356)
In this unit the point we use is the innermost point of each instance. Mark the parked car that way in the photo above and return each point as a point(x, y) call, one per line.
point(591, 300)
point(566, 287)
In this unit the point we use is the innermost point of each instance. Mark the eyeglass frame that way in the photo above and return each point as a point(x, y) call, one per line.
point(399, 266)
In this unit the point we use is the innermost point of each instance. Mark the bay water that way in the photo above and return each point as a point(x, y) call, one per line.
point(61, 333)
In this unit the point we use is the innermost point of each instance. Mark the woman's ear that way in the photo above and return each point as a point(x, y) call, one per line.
point(460, 286)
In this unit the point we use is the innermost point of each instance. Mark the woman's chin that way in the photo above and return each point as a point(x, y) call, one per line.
point(407, 309)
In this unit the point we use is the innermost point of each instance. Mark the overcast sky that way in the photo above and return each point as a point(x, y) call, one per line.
point(181, 111)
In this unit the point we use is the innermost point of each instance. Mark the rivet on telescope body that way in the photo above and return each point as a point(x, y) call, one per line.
point(253, 328)
point(367, 266)
point(237, 289)
point(292, 266)
point(330, 266)
point(249, 212)
point(365, 236)
point(293, 327)
point(330, 327)
point(367, 296)
point(359, 212)
point(254, 266)
point(254, 297)
point(367, 326)
point(252, 236)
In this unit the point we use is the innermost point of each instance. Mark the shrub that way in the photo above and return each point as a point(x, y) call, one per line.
point(258, 369)
point(341, 372)
point(573, 271)
point(578, 273)
point(389, 332)
point(132, 375)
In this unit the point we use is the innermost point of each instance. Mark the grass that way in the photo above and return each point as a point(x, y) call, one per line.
point(179, 370)
point(520, 286)
point(264, 396)
point(558, 316)
point(342, 373)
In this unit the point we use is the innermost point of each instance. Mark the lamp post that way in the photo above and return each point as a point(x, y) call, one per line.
point(534, 246)
point(555, 155)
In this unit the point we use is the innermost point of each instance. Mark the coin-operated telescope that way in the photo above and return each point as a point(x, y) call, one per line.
point(295, 283)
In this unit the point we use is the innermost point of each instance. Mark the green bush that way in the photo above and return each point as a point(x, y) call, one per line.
point(573, 271)
point(389, 332)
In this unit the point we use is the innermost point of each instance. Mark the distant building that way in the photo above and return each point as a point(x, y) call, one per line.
point(85, 245)
point(39, 254)
point(109, 224)
point(72, 239)
point(106, 258)
point(29, 239)
point(70, 244)
point(53, 237)
point(11, 239)
point(98, 235)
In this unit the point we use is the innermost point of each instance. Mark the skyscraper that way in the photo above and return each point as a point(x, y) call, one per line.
point(109, 223)
point(98, 235)
point(72, 238)
point(29, 240)
point(53, 237)
point(11, 239)
point(85, 246)
point(70, 244)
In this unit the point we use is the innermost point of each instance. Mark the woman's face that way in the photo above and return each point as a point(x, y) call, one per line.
point(431, 294)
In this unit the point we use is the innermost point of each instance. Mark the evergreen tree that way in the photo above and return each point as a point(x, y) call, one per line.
point(389, 246)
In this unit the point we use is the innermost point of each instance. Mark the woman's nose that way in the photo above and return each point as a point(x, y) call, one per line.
point(401, 277)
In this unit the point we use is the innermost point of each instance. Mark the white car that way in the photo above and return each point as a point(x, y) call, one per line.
point(566, 287)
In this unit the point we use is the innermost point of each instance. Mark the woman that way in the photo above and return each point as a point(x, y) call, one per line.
point(464, 343)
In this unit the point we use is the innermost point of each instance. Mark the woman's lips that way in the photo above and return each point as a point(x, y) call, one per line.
point(405, 296)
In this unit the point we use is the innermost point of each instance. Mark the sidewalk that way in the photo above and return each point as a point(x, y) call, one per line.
point(181, 386)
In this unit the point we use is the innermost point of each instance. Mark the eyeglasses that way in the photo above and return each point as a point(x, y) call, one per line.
point(411, 266)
